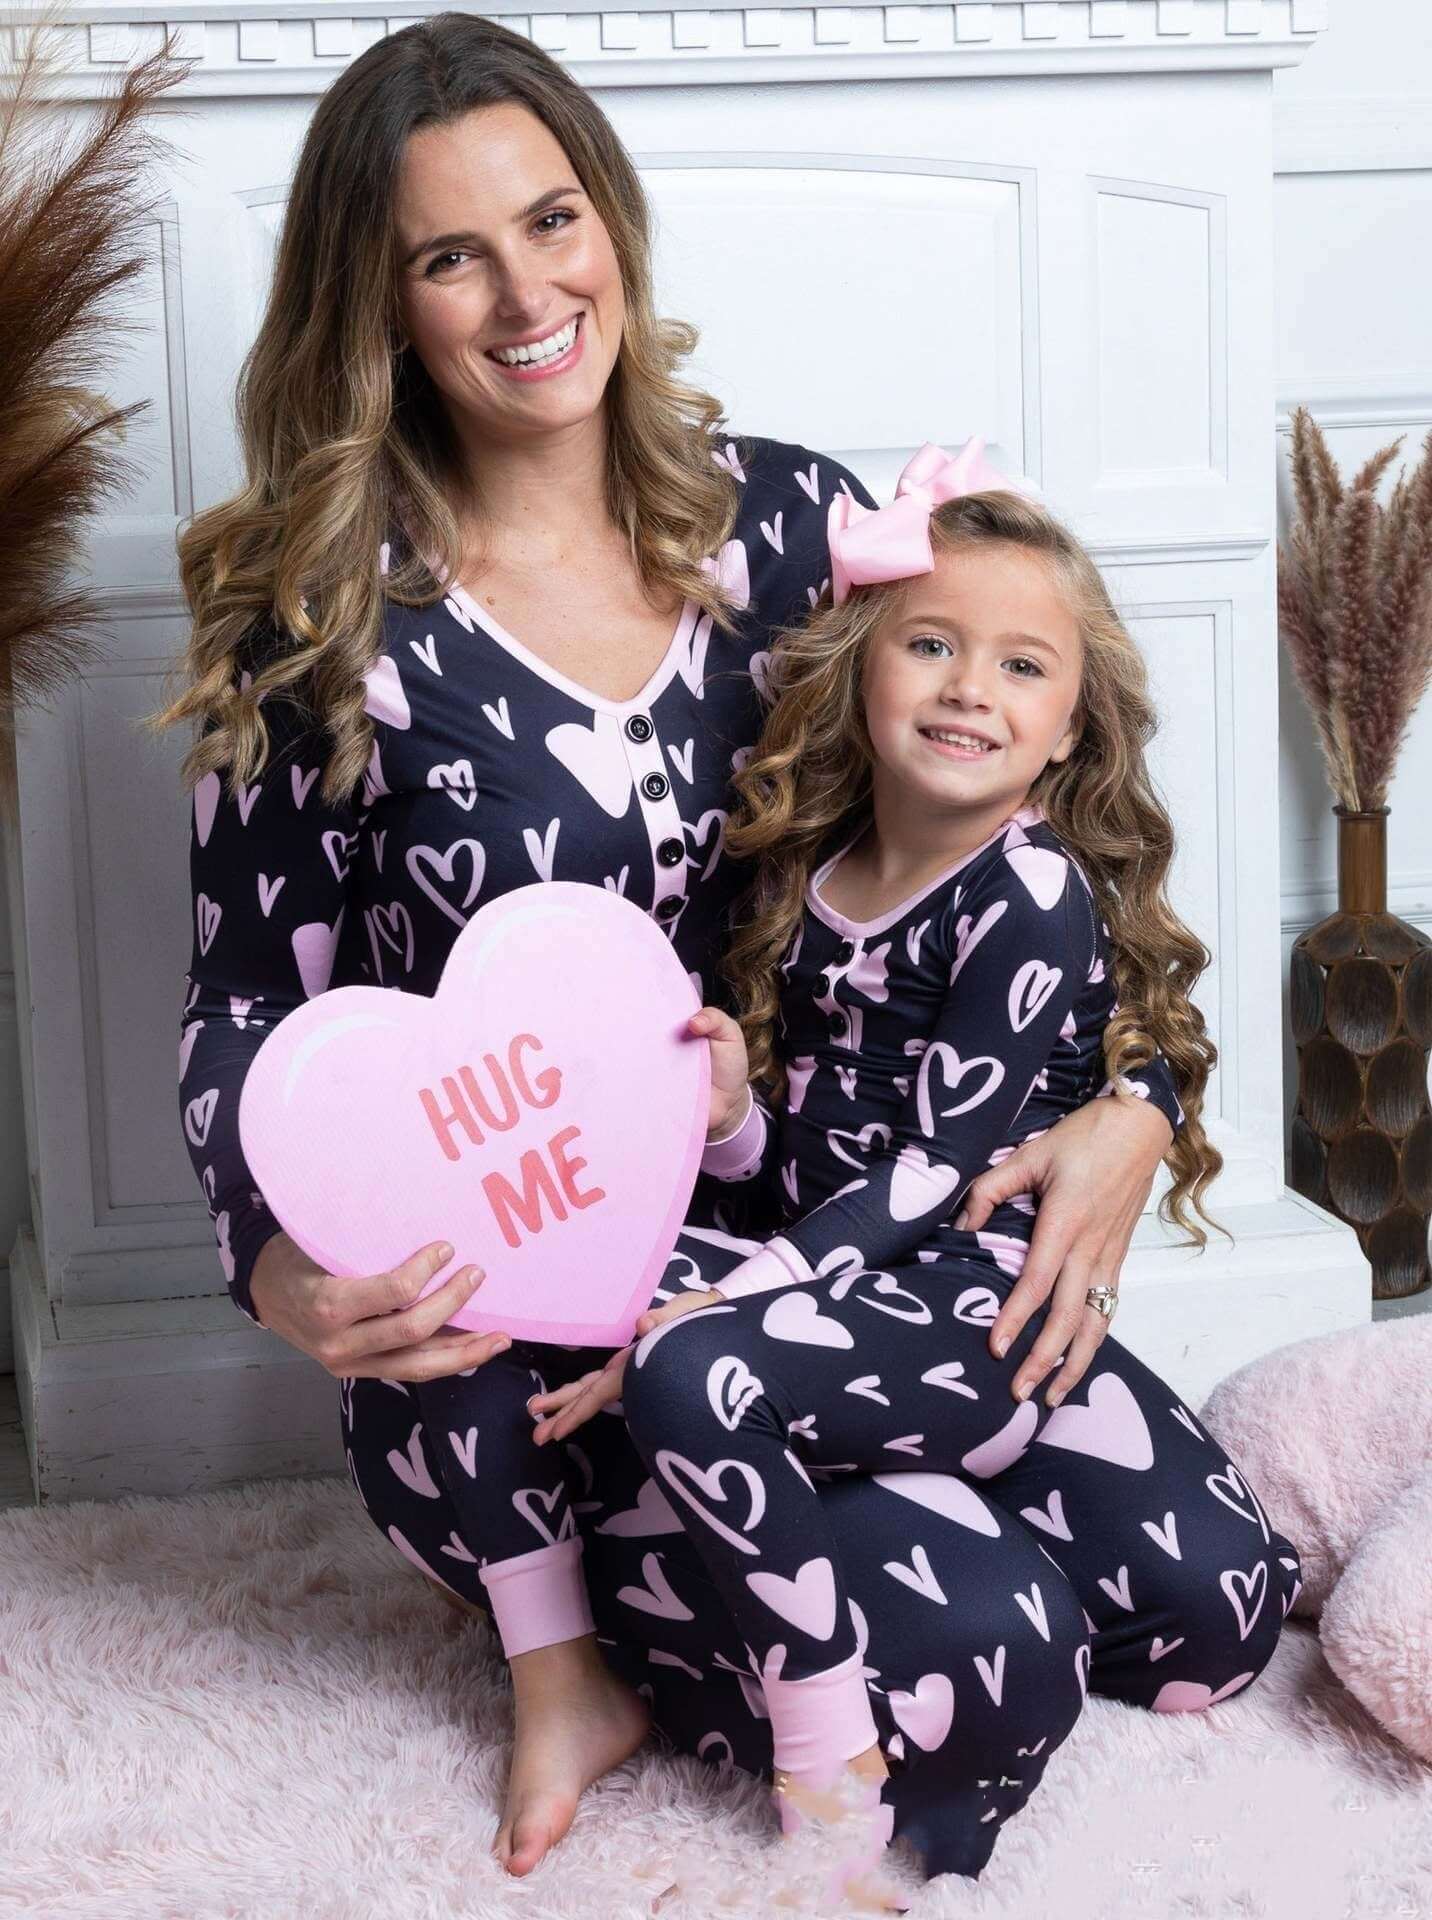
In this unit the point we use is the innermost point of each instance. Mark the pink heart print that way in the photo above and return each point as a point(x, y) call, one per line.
point(544, 1111)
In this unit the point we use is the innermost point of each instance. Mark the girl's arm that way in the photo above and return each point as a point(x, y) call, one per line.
point(1012, 994)
point(270, 879)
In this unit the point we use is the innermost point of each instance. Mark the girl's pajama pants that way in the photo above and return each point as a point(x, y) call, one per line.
point(990, 1562)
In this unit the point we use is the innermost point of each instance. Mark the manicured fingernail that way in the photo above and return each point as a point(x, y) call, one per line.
point(443, 1254)
point(961, 1217)
point(1001, 1346)
point(1052, 1399)
point(1024, 1389)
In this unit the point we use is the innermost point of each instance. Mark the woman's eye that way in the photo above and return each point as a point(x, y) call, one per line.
point(437, 261)
point(563, 215)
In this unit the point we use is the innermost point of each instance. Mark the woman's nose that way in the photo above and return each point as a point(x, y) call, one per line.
point(521, 289)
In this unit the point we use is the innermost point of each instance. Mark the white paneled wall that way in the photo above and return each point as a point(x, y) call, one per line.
point(1353, 253)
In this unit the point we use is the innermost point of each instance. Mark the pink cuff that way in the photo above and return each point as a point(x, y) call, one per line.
point(539, 1598)
point(738, 1156)
point(818, 1722)
point(778, 1264)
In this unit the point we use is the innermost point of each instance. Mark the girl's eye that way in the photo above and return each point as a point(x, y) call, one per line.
point(925, 640)
point(1023, 660)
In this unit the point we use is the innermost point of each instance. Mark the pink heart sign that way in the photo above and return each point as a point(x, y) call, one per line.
point(544, 1110)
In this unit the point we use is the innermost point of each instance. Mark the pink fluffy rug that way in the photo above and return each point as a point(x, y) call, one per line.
point(244, 1704)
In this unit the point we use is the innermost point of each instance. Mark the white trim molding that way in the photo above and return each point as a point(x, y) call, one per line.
point(1354, 133)
point(1381, 400)
point(267, 47)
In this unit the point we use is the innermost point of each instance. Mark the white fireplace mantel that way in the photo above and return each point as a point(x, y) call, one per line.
point(1097, 174)
point(295, 46)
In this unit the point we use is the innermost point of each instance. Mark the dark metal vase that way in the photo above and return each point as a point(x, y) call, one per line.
point(1361, 991)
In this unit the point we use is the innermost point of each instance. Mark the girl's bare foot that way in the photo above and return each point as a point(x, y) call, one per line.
point(575, 1721)
point(841, 1828)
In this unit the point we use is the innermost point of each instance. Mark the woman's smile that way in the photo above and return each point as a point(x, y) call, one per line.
point(540, 358)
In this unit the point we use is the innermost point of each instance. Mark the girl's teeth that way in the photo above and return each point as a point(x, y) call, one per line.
point(960, 740)
point(548, 349)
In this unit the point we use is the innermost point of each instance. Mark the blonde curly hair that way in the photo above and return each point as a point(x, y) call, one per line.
point(807, 787)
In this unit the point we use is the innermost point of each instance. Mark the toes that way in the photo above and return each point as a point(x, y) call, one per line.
point(531, 1837)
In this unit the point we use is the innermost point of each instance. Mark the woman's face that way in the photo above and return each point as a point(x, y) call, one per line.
point(509, 288)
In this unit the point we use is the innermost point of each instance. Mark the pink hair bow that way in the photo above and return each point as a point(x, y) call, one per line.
point(869, 547)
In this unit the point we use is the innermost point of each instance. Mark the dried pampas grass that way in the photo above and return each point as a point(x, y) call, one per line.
point(71, 214)
point(1355, 608)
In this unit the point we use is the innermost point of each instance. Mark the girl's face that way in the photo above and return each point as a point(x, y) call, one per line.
point(970, 689)
point(499, 249)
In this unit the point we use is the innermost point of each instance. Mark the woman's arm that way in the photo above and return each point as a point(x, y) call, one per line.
point(269, 878)
point(1014, 990)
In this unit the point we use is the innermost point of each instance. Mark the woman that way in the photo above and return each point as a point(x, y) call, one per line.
point(460, 384)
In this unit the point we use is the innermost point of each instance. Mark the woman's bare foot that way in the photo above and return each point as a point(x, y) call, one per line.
point(575, 1721)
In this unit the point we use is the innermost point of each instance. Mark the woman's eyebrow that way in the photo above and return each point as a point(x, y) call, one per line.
point(442, 240)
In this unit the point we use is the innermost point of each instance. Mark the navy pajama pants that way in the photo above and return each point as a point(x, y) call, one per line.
point(992, 1562)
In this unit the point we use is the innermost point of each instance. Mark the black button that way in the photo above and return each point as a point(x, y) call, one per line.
point(639, 727)
point(837, 1027)
point(668, 908)
point(844, 953)
point(826, 985)
point(670, 852)
point(656, 786)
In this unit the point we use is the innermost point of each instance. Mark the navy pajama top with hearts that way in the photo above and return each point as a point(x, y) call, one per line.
point(922, 1047)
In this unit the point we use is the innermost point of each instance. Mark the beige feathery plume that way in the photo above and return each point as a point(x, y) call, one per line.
point(1355, 608)
point(71, 214)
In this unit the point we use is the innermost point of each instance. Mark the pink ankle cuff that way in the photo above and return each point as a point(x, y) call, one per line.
point(821, 1721)
point(539, 1598)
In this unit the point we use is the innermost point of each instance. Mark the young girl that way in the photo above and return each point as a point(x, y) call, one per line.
point(956, 833)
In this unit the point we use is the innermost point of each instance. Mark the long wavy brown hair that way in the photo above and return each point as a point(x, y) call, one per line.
point(807, 789)
point(347, 445)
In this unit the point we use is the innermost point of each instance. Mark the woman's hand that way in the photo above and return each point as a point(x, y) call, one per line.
point(372, 1327)
point(730, 1069)
point(1092, 1173)
point(567, 1407)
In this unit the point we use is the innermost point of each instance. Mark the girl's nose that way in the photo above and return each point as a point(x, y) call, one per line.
point(967, 686)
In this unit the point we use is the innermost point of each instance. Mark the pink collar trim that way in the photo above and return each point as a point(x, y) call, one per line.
point(1026, 816)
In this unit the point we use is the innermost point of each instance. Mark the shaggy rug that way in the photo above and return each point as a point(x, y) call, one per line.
point(245, 1704)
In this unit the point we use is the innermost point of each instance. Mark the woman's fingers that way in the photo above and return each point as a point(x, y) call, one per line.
point(1092, 1328)
point(358, 1344)
point(1061, 1323)
point(451, 1351)
point(1025, 1171)
point(1056, 1232)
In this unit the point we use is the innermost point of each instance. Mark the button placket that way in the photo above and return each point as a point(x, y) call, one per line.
point(661, 814)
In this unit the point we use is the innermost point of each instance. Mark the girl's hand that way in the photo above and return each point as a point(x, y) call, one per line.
point(1092, 1173)
point(729, 1069)
point(374, 1326)
point(568, 1407)
point(672, 1309)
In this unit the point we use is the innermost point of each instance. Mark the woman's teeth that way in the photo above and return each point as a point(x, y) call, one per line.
point(548, 349)
point(958, 739)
